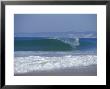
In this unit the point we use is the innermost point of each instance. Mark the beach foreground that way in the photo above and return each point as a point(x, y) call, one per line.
point(75, 65)
point(90, 70)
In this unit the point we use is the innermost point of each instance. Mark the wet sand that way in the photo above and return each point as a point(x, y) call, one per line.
point(90, 70)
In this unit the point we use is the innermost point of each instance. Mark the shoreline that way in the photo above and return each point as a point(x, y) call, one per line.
point(90, 70)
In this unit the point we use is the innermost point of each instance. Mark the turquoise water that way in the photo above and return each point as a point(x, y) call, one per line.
point(54, 44)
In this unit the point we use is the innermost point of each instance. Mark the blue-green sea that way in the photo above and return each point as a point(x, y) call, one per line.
point(54, 44)
point(53, 53)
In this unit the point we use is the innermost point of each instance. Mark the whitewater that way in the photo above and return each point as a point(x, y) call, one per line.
point(28, 64)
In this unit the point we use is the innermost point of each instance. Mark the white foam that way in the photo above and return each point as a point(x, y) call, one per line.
point(73, 42)
point(39, 63)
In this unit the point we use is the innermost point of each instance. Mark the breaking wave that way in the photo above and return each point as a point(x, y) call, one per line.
point(72, 42)
point(53, 44)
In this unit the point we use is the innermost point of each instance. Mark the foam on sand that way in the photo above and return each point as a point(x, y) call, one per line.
point(40, 63)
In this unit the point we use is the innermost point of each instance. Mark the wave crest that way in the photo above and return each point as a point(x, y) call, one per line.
point(72, 42)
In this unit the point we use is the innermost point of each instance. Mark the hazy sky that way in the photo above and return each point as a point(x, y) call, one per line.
point(33, 23)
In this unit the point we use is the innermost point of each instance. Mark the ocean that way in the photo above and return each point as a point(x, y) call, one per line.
point(33, 54)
